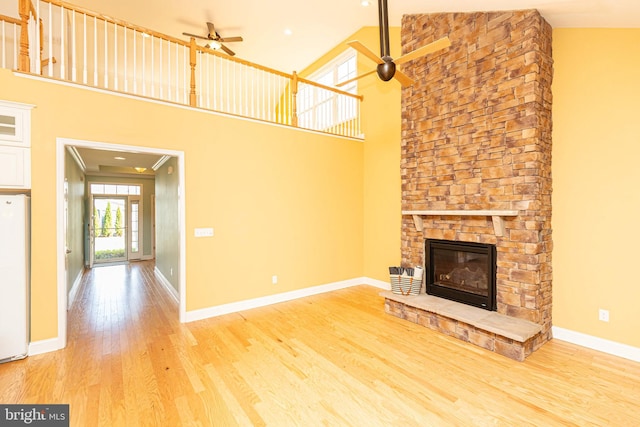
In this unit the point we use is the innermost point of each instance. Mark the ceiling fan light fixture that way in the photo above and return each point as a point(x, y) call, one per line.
point(214, 44)
point(365, 3)
point(140, 169)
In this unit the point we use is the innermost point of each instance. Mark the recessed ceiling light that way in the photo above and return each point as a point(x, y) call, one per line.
point(288, 32)
point(120, 158)
point(365, 3)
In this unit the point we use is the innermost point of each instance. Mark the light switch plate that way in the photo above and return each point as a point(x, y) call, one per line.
point(203, 232)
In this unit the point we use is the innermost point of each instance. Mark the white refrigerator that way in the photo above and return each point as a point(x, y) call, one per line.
point(14, 276)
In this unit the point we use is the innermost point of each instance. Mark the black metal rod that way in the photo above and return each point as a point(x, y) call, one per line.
point(383, 18)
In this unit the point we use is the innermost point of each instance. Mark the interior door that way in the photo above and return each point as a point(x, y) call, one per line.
point(134, 235)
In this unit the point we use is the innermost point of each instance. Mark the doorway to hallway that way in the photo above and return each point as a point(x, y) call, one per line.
point(132, 229)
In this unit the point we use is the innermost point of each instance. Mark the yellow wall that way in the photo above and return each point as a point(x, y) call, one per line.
point(314, 209)
point(381, 120)
point(282, 202)
point(596, 179)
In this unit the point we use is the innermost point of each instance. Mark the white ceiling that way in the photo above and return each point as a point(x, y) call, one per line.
point(320, 25)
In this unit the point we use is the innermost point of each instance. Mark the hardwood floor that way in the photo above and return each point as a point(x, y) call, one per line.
point(334, 359)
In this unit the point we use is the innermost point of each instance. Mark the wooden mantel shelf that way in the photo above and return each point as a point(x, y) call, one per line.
point(497, 217)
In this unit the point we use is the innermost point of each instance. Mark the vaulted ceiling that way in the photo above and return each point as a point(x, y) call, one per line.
point(316, 26)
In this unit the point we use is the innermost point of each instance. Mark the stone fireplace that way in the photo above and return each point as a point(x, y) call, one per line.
point(476, 167)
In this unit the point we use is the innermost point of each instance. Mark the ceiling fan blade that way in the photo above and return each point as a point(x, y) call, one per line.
point(403, 78)
point(230, 39)
point(211, 28)
point(355, 78)
point(227, 50)
point(195, 35)
point(424, 50)
point(365, 51)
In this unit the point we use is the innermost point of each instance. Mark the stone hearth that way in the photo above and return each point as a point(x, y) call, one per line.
point(476, 136)
point(505, 335)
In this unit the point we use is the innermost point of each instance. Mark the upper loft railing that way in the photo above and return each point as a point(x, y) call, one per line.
point(58, 40)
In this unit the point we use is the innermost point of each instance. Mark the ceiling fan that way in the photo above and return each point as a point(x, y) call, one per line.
point(215, 40)
point(386, 68)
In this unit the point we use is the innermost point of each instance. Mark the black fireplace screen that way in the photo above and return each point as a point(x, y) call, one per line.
point(462, 271)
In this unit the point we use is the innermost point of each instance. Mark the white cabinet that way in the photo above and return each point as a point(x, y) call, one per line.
point(15, 145)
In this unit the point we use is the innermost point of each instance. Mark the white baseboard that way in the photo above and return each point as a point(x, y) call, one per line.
point(45, 346)
point(610, 347)
point(234, 307)
point(74, 290)
point(167, 285)
point(147, 257)
point(377, 283)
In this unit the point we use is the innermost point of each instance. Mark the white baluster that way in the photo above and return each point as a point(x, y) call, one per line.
point(15, 46)
point(135, 63)
point(50, 34)
point(271, 110)
point(38, 46)
point(208, 77)
point(200, 101)
point(262, 99)
point(160, 62)
point(245, 79)
point(217, 87)
point(4, 50)
point(126, 71)
point(106, 56)
point(62, 43)
point(274, 114)
point(115, 56)
point(185, 64)
point(249, 91)
point(153, 69)
point(177, 72)
point(85, 76)
point(169, 91)
point(74, 66)
point(95, 51)
point(227, 85)
point(144, 65)
point(282, 87)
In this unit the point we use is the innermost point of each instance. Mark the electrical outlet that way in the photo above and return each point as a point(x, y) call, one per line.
point(274, 280)
point(603, 315)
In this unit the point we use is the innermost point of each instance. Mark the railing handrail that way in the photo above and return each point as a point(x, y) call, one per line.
point(120, 22)
point(276, 72)
point(10, 19)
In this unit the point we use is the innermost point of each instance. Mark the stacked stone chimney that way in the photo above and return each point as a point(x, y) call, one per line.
point(476, 135)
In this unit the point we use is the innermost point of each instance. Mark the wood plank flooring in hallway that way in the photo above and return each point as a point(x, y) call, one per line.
point(333, 359)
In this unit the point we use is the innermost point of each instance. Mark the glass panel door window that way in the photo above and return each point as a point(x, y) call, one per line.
point(134, 228)
point(109, 229)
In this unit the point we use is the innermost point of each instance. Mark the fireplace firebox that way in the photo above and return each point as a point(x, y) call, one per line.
point(461, 271)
